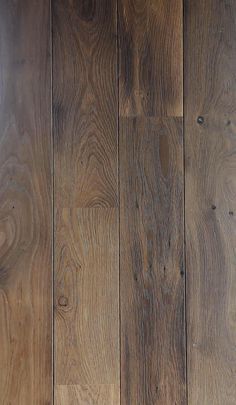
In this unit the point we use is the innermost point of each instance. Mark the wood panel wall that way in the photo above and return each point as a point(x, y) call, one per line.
point(117, 202)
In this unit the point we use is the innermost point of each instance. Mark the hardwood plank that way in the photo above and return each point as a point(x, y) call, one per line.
point(25, 204)
point(210, 93)
point(151, 261)
point(86, 301)
point(85, 103)
point(84, 395)
point(151, 57)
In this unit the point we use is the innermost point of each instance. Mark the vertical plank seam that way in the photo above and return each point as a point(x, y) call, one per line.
point(118, 172)
point(184, 214)
point(53, 205)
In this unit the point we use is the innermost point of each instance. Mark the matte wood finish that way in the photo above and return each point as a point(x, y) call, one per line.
point(86, 300)
point(151, 57)
point(86, 202)
point(25, 204)
point(152, 276)
point(85, 103)
point(210, 90)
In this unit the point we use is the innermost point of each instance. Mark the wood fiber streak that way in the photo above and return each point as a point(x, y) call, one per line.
point(86, 302)
point(84, 395)
point(210, 92)
point(151, 262)
point(25, 204)
point(85, 103)
point(151, 57)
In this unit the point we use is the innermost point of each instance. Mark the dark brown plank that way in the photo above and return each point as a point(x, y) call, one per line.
point(151, 261)
point(210, 93)
point(86, 222)
point(151, 57)
point(25, 204)
point(85, 103)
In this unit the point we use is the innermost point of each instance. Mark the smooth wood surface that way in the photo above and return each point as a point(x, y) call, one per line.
point(25, 204)
point(151, 57)
point(210, 93)
point(86, 202)
point(86, 299)
point(84, 395)
point(152, 261)
point(85, 103)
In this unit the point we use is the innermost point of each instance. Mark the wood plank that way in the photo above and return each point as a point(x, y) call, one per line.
point(25, 204)
point(84, 395)
point(85, 103)
point(151, 57)
point(210, 93)
point(86, 300)
point(86, 232)
point(151, 261)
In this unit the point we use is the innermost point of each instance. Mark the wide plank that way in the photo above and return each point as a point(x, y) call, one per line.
point(210, 133)
point(151, 57)
point(25, 203)
point(84, 395)
point(85, 103)
point(152, 261)
point(86, 302)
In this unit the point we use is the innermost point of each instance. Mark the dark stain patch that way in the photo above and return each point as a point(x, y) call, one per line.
point(231, 213)
point(228, 123)
point(86, 10)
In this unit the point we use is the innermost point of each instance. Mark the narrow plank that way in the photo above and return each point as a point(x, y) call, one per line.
point(86, 301)
point(86, 239)
point(85, 103)
point(25, 204)
point(83, 395)
point(151, 261)
point(210, 93)
point(151, 57)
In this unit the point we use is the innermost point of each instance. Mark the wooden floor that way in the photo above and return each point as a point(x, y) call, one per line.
point(117, 202)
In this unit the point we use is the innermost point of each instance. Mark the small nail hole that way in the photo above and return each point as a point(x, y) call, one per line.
point(200, 120)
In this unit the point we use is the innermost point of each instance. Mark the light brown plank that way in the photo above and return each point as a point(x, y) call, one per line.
point(86, 301)
point(25, 204)
point(84, 395)
point(151, 57)
point(210, 93)
point(152, 262)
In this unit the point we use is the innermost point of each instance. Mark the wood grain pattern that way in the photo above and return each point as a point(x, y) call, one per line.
point(151, 261)
point(86, 221)
point(85, 103)
point(84, 395)
point(151, 57)
point(25, 204)
point(210, 93)
point(86, 300)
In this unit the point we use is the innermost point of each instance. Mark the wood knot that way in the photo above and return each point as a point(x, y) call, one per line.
point(63, 301)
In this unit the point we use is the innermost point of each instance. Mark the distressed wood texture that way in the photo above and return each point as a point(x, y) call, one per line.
point(151, 57)
point(25, 204)
point(86, 202)
point(151, 261)
point(210, 128)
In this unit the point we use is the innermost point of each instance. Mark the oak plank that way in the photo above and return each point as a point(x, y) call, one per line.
point(151, 57)
point(210, 128)
point(151, 261)
point(85, 103)
point(84, 395)
point(25, 204)
point(86, 302)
